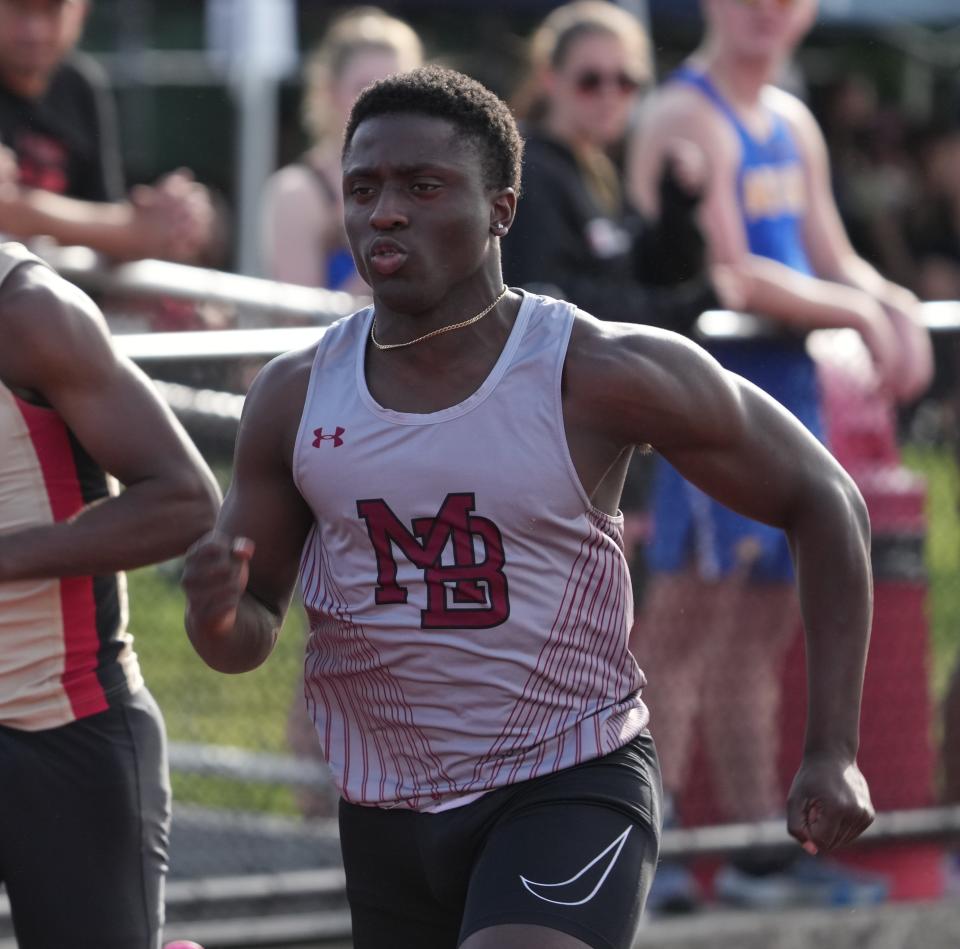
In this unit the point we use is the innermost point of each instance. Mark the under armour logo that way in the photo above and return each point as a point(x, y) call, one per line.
point(335, 437)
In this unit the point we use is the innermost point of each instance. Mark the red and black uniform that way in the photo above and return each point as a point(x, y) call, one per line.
point(85, 797)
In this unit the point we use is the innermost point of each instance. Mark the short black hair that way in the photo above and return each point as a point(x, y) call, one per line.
point(447, 94)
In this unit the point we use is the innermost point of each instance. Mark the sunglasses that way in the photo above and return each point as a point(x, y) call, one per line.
point(590, 82)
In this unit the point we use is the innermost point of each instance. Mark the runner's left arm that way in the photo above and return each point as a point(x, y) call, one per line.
point(743, 448)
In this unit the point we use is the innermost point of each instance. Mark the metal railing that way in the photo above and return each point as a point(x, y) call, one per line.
point(260, 304)
point(267, 342)
point(252, 300)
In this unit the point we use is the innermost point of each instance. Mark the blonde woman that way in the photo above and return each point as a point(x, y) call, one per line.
point(304, 241)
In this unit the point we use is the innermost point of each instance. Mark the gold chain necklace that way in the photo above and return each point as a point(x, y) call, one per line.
point(437, 332)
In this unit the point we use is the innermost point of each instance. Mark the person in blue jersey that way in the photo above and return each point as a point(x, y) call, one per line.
point(303, 239)
point(721, 613)
point(442, 472)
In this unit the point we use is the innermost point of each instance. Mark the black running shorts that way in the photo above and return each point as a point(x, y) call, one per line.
point(84, 821)
point(573, 851)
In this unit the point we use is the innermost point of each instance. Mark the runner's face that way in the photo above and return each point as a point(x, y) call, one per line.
point(35, 36)
point(761, 28)
point(594, 88)
point(416, 209)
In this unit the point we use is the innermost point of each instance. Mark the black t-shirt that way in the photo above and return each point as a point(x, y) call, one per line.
point(66, 140)
point(615, 266)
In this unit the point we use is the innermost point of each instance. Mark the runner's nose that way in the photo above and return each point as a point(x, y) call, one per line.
point(387, 213)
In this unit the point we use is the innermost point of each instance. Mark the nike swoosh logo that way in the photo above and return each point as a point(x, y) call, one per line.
point(556, 889)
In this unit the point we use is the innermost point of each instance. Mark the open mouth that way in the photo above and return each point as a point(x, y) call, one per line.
point(387, 258)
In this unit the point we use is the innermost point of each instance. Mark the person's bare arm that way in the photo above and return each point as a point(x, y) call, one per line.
point(294, 220)
point(765, 287)
point(741, 447)
point(158, 222)
point(56, 348)
point(104, 226)
point(834, 258)
point(239, 579)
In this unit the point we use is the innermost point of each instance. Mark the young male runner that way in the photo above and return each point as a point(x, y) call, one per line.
point(84, 791)
point(442, 471)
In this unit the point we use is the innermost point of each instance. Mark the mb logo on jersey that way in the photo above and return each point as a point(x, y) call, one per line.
point(319, 437)
point(470, 592)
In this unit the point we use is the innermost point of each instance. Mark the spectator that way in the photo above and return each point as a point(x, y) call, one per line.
point(577, 235)
point(85, 794)
point(303, 207)
point(57, 118)
point(721, 613)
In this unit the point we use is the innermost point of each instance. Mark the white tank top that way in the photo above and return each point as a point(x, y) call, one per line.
point(469, 609)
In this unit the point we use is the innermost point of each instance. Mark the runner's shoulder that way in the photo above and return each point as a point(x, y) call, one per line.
point(603, 349)
point(628, 373)
point(280, 387)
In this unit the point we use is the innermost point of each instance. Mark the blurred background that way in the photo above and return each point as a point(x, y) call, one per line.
point(217, 87)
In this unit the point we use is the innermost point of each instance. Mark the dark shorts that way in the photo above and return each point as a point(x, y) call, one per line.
point(84, 823)
point(573, 851)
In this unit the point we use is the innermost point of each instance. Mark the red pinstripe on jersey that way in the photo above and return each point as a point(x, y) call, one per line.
point(347, 670)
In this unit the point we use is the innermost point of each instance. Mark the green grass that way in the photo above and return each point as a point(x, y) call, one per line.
point(200, 705)
point(939, 467)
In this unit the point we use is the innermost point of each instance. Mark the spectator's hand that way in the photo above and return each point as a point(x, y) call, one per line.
point(882, 341)
point(829, 803)
point(915, 367)
point(215, 576)
point(670, 250)
point(684, 167)
point(173, 218)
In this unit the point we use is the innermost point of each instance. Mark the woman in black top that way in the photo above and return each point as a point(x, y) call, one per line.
point(575, 235)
